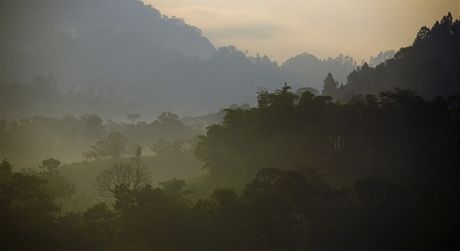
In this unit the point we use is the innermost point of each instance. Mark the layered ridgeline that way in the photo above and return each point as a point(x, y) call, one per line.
point(126, 52)
point(430, 66)
point(119, 57)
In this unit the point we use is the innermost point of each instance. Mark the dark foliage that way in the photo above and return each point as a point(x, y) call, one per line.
point(397, 133)
point(429, 66)
point(374, 173)
point(27, 212)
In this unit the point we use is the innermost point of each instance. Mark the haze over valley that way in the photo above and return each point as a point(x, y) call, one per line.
point(281, 125)
point(131, 57)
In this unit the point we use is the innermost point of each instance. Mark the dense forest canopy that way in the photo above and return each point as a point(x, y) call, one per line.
point(352, 176)
point(393, 133)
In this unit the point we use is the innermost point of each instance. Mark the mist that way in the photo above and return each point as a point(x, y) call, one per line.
point(131, 53)
point(130, 126)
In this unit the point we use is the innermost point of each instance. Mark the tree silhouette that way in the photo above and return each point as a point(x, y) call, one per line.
point(330, 85)
point(50, 165)
point(114, 146)
point(129, 175)
point(26, 211)
point(426, 66)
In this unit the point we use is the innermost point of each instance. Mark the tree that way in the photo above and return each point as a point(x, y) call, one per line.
point(426, 66)
point(126, 175)
point(381, 57)
point(26, 211)
point(50, 165)
point(422, 35)
point(311, 90)
point(224, 198)
point(56, 186)
point(113, 146)
point(5, 167)
point(153, 220)
point(282, 203)
point(330, 85)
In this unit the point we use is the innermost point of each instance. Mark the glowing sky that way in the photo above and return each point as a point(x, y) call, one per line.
point(284, 28)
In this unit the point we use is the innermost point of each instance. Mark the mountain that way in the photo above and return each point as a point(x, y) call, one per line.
point(430, 66)
point(43, 98)
point(128, 51)
point(90, 40)
point(311, 71)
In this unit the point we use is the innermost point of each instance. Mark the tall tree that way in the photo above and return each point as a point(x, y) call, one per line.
point(330, 85)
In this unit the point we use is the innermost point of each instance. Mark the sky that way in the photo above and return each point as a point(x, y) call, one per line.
point(325, 28)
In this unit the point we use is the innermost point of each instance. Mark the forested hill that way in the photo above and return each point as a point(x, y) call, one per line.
point(430, 66)
point(126, 49)
point(91, 42)
point(310, 70)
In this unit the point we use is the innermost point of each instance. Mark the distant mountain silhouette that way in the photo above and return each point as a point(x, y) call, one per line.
point(91, 40)
point(311, 71)
point(126, 50)
point(430, 66)
point(41, 97)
